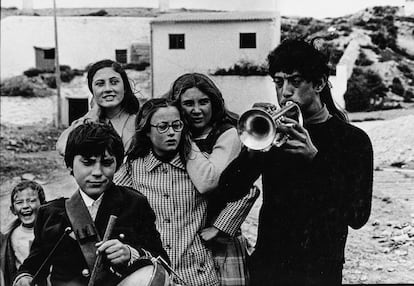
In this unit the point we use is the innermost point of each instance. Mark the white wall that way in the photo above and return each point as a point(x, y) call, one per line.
point(82, 40)
point(409, 8)
point(339, 85)
point(208, 46)
point(240, 92)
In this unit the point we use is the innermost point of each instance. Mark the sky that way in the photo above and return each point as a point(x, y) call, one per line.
point(303, 8)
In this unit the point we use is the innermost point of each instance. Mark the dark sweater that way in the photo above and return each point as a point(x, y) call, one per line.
point(308, 206)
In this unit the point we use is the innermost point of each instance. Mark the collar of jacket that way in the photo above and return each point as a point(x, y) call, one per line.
point(151, 162)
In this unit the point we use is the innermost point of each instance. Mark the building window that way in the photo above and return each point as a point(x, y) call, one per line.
point(121, 56)
point(247, 40)
point(176, 41)
point(49, 54)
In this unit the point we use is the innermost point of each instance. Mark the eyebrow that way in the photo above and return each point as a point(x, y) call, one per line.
point(112, 77)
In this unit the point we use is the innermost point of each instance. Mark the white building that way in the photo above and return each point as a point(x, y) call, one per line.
point(82, 40)
point(205, 42)
point(409, 8)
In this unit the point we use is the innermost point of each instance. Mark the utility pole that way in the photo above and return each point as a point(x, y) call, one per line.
point(57, 71)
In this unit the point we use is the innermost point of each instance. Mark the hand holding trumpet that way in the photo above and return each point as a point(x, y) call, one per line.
point(298, 140)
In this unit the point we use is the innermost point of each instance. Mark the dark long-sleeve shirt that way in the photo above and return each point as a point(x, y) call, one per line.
point(308, 206)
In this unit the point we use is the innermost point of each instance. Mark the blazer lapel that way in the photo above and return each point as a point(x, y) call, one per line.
point(111, 205)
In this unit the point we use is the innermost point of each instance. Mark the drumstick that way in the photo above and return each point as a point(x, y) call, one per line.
point(107, 234)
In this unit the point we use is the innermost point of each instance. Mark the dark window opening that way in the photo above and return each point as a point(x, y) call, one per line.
point(49, 54)
point(247, 40)
point(77, 108)
point(176, 41)
point(121, 56)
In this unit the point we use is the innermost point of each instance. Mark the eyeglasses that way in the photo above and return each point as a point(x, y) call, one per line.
point(163, 127)
point(295, 80)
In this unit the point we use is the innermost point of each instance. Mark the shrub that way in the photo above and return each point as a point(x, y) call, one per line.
point(136, 66)
point(345, 28)
point(397, 86)
point(408, 96)
point(379, 39)
point(49, 80)
point(243, 69)
point(17, 86)
point(33, 72)
point(305, 21)
point(101, 12)
point(363, 60)
point(364, 90)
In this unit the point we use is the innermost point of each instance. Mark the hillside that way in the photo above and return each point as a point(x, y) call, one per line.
point(383, 73)
point(101, 11)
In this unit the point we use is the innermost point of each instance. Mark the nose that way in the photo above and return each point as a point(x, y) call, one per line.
point(196, 108)
point(287, 89)
point(97, 170)
point(108, 86)
point(26, 204)
point(170, 131)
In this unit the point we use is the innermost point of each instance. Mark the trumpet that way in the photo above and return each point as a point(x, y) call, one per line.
point(257, 127)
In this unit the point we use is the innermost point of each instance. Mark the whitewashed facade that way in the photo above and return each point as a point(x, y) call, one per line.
point(82, 40)
point(211, 41)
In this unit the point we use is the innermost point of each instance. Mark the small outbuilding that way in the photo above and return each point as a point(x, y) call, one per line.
point(45, 58)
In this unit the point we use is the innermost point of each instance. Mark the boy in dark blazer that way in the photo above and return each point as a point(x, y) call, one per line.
point(69, 231)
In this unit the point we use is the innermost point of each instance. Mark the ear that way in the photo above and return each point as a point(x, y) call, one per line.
point(320, 84)
point(13, 210)
point(70, 171)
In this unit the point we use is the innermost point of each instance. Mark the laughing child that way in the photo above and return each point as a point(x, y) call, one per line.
point(26, 198)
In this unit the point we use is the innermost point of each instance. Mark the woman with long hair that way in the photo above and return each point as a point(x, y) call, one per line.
point(214, 144)
point(113, 102)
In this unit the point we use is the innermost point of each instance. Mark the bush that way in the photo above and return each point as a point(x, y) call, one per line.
point(243, 69)
point(305, 21)
point(408, 96)
point(345, 28)
point(397, 86)
point(101, 12)
point(17, 86)
point(364, 90)
point(49, 80)
point(136, 66)
point(363, 60)
point(32, 72)
point(379, 39)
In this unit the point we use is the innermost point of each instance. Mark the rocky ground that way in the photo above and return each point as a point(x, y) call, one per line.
point(380, 252)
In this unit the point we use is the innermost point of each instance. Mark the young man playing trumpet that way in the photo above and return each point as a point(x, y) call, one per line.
point(315, 185)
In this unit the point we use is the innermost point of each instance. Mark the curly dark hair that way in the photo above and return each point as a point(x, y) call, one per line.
point(296, 55)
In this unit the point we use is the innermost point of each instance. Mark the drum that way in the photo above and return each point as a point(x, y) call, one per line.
point(146, 271)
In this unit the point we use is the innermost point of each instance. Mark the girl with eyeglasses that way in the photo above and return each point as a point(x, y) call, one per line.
point(113, 102)
point(155, 166)
point(214, 144)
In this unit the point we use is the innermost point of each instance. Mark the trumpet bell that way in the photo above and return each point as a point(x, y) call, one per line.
point(256, 129)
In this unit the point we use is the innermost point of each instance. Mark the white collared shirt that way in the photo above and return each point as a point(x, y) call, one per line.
point(91, 204)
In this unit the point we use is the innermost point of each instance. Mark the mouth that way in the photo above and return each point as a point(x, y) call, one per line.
point(26, 214)
point(197, 120)
point(109, 96)
point(95, 184)
point(171, 142)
